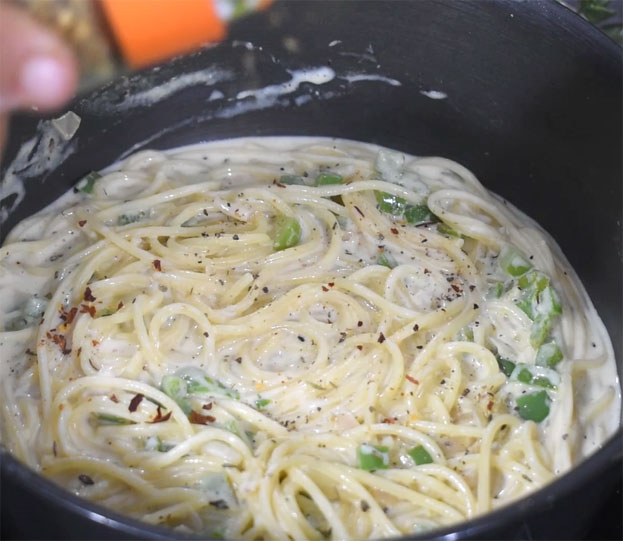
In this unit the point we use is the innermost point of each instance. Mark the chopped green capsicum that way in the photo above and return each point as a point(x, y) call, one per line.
point(387, 260)
point(420, 455)
point(287, 233)
point(89, 181)
point(324, 179)
point(176, 388)
point(512, 262)
point(391, 204)
point(372, 457)
point(548, 354)
point(495, 291)
point(533, 406)
point(505, 365)
point(419, 214)
point(445, 229)
point(541, 327)
point(108, 419)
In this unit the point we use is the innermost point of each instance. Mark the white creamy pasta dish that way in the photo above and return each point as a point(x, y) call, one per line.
point(296, 338)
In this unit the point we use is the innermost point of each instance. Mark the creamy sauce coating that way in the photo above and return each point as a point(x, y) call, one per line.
point(297, 337)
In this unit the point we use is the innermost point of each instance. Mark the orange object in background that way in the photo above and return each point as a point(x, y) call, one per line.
point(147, 31)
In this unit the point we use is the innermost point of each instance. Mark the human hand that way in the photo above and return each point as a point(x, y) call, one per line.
point(37, 69)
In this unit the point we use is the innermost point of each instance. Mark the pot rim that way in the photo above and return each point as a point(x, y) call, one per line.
point(607, 456)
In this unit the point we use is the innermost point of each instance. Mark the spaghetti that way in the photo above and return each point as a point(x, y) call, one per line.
point(297, 338)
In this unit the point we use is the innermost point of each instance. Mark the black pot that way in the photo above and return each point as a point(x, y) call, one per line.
point(532, 106)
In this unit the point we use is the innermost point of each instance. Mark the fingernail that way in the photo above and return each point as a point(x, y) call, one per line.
point(42, 79)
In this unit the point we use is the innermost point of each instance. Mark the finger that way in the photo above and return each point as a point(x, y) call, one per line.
point(3, 122)
point(36, 67)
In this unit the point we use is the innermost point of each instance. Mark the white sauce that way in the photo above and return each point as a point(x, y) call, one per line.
point(322, 353)
point(434, 94)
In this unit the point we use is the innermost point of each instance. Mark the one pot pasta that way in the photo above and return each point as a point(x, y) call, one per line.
point(296, 338)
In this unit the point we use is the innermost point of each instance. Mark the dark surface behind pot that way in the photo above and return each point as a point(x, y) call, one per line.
point(533, 108)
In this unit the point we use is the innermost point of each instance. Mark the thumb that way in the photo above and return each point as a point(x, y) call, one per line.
point(37, 69)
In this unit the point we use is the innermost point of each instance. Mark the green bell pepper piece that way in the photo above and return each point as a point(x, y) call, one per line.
point(534, 406)
point(419, 214)
point(324, 179)
point(89, 182)
point(287, 233)
point(372, 457)
point(176, 388)
point(541, 327)
point(512, 262)
point(505, 365)
point(391, 204)
point(548, 354)
point(420, 455)
point(386, 259)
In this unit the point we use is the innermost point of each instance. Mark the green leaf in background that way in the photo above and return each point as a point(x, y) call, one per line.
point(595, 11)
point(598, 12)
point(614, 31)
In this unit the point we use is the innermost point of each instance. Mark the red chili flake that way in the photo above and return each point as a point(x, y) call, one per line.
point(455, 287)
point(360, 324)
point(60, 341)
point(359, 211)
point(157, 266)
point(416, 328)
point(71, 315)
point(394, 230)
point(426, 271)
point(359, 347)
point(82, 222)
point(207, 406)
point(95, 343)
point(84, 309)
point(490, 405)
point(120, 305)
point(389, 421)
point(331, 284)
point(135, 402)
point(280, 185)
point(381, 338)
point(325, 289)
point(88, 296)
point(412, 380)
point(159, 418)
point(114, 398)
point(199, 419)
